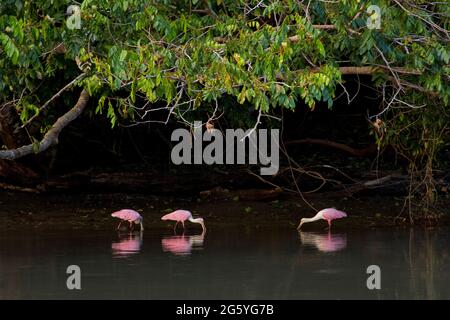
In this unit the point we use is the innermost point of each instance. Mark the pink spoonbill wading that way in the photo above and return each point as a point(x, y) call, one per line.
point(328, 214)
point(182, 216)
point(128, 215)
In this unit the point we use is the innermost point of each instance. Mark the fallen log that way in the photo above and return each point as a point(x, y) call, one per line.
point(14, 188)
point(378, 183)
point(220, 193)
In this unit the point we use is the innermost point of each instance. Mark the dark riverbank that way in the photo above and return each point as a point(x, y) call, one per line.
point(19, 211)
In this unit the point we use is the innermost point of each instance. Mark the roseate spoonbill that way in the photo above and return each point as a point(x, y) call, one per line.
point(324, 242)
point(182, 216)
point(130, 216)
point(328, 214)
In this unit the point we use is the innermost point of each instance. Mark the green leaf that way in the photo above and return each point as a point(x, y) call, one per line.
point(123, 55)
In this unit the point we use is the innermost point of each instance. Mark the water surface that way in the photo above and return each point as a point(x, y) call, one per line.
point(227, 263)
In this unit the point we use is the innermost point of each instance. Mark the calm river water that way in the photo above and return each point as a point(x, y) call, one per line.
point(227, 263)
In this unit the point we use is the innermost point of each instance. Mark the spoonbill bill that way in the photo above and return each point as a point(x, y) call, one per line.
point(182, 216)
point(130, 216)
point(328, 214)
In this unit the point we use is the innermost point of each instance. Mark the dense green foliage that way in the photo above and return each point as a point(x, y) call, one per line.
point(204, 49)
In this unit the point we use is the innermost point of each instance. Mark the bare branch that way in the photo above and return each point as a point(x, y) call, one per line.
point(336, 145)
point(45, 105)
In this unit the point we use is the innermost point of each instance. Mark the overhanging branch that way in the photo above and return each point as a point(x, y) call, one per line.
point(51, 137)
point(369, 70)
point(58, 94)
point(367, 151)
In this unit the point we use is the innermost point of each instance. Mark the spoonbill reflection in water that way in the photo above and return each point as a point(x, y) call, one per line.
point(328, 214)
point(128, 244)
point(182, 245)
point(324, 242)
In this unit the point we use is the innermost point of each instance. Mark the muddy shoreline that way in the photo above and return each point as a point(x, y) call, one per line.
point(19, 211)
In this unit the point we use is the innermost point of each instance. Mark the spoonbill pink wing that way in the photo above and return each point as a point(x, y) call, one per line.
point(127, 214)
point(178, 215)
point(332, 213)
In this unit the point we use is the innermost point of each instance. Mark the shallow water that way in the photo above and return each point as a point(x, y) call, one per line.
point(227, 263)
